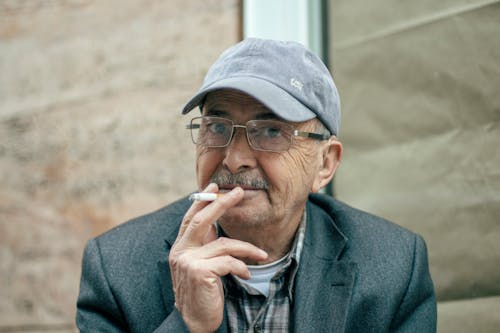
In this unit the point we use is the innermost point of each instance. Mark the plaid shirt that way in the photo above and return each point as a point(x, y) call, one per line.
point(250, 311)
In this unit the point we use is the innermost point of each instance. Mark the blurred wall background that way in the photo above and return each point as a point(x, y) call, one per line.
point(419, 84)
point(91, 132)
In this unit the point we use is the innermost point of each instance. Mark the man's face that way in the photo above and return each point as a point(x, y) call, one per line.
point(276, 185)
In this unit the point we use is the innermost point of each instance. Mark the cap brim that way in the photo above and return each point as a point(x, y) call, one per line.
point(273, 97)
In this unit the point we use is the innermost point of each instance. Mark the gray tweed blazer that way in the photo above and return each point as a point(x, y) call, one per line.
point(358, 273)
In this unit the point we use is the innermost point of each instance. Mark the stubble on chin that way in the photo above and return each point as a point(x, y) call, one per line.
point(254, 218)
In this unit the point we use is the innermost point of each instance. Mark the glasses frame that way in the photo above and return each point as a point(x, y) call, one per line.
point(294, 133)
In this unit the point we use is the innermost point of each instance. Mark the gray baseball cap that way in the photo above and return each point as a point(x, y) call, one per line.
point(286, 77)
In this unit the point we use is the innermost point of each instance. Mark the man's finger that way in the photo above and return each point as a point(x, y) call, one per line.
point(199, 224)
point(195, 207)
point(214, 268)
point(226, 246)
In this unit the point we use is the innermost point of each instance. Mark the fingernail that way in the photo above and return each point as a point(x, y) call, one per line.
point(236, 191)
point(209, 186)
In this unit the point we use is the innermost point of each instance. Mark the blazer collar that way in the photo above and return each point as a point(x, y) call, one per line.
point(324, 282)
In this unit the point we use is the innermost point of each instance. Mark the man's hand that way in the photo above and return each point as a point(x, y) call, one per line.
point(199, 259)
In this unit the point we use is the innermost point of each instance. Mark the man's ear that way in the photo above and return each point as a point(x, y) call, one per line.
point(331, 155)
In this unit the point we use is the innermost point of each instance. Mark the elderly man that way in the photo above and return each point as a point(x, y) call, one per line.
point(259, 250)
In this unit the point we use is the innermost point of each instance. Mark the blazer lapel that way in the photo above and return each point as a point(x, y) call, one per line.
point(166, 288)
point(165, 279)
point(324, 282)
point(322, 299)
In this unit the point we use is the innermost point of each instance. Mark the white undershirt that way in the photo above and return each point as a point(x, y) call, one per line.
point(262, 275)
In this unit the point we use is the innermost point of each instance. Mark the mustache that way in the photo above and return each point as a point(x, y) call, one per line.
point(243, 180)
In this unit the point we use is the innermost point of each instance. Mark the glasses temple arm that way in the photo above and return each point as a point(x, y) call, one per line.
point(311, 135)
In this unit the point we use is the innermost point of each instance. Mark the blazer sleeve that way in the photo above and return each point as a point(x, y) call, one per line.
point(97, 308)
point(417, 311)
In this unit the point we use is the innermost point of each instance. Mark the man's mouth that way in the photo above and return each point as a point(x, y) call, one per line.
point(229, 187)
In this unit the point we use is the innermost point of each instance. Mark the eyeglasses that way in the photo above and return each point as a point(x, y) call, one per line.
point(264, 135)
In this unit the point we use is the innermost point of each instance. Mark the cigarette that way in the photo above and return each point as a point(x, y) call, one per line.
point(204, 196)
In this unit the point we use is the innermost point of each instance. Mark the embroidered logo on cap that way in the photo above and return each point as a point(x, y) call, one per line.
point(296, 83)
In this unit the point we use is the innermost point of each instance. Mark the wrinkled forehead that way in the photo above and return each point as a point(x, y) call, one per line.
point(231, 102)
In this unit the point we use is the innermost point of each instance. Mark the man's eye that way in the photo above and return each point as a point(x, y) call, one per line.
point(272, 132)
point(217, 128)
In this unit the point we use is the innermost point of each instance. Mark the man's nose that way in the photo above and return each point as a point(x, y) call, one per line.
point(238, 155)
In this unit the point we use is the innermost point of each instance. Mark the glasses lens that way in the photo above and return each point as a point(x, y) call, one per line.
point(211, 131)
point(269, 135)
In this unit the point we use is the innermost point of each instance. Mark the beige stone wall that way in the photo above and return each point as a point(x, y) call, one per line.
point(420, 126)
point(91, 132)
